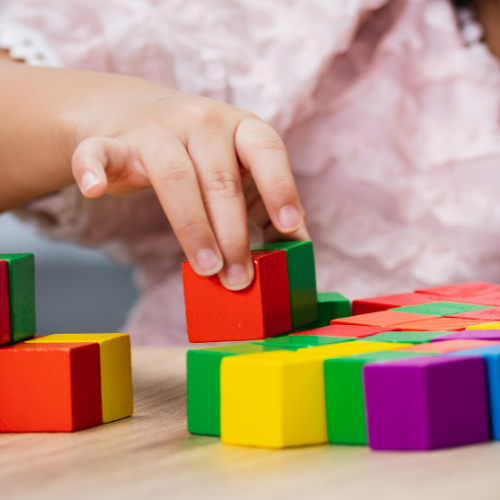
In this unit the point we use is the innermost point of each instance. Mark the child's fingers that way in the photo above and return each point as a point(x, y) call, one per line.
point(90, 160)
point(174, 179)
point(212, 152)
point(261, 150)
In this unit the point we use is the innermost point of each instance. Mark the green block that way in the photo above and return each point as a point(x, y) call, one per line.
point(301, 278)
point(22, 295)
point(300, 341)
point(444, 308)
point(344, 395)
point(405, 337)
point(331, 305)
point(203, 384)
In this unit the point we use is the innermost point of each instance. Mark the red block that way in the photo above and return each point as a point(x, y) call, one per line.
point(385, 302)
point(449, 346)
point(486, 315)
point(469, 289)
point(439, 325)
point(4, 303)
point(492, 299)
point(50, 387)
point(382, 318)
point(351, 331)
point(215, 314)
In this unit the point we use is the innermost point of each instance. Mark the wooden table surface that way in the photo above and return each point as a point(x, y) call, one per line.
point(151, 455)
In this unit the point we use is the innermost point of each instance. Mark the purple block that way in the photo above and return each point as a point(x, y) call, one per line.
point(471, 335)
point(426, 403)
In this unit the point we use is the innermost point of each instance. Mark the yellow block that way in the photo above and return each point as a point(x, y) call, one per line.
point(495, 325)
point(344, 349)
point(116, 370)
point(273, 400)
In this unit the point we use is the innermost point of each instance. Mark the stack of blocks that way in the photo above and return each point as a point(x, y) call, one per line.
point(415, 371)
point(58, 383)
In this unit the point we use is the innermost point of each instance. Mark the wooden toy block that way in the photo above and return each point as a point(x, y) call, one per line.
point(21, 271)
point(49, 387)
point(485, 300)
point(331, 305)
point(203, 384)
point(418, 337)
point(301, 279)
point(440, 308)
point(438, 325)
point(473, 335)
point(273, 400)
point(386, 302)
point(349, 349)
point(383, 318)
point(490, 314)
point(468, 289)
point(215, 314)
point(116, 369)
point(4, 303)
point(426, 403)
point(299, 341)
point(345, 407)
point(447, 346)
point(491, 356)
point(349, 331)
point(494, 325)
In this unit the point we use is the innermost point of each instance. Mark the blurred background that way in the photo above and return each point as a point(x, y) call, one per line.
point(77, 290)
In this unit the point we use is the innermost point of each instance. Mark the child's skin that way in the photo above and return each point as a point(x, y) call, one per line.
point(115, 134)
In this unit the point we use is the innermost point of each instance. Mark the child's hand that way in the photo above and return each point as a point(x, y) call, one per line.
point(200, 156)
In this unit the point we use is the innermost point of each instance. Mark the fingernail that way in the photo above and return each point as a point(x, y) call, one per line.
point(236, 275)
point(89, 180)
point(208, 261)
point(288, 217)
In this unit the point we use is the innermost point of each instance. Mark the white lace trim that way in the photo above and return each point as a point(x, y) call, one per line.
point(27, 45)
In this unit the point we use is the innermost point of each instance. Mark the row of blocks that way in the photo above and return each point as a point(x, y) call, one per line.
point(58, 383)
point(383, 378)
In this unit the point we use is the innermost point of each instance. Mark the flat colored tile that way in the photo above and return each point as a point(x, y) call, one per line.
point(418, 337)
point(487, 315)
point(443, 308)
point(472, 335)
point(273, 400)
point(426, 403)
point(301, 279)
point(50, 387)
point(203, 384)
point(386, 302)
point(447, 346)
point(382, 318)
point(349, 331)
point(344, 393)
point(298, 341)
point(116, 369)
point(22, 295)
point(467, 289)
point(491, 355)
point(438, 325)
point(349, 349)
point(493, 325)
point(4, 303)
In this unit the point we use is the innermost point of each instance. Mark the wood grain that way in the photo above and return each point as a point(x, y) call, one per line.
point(152, 456)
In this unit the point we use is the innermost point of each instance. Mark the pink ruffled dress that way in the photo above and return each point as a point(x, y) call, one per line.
point(391, 121)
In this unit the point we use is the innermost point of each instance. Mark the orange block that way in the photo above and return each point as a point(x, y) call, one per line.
point(449, 346)
point(50, 387)
point(382, 318)
point(439, 325)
